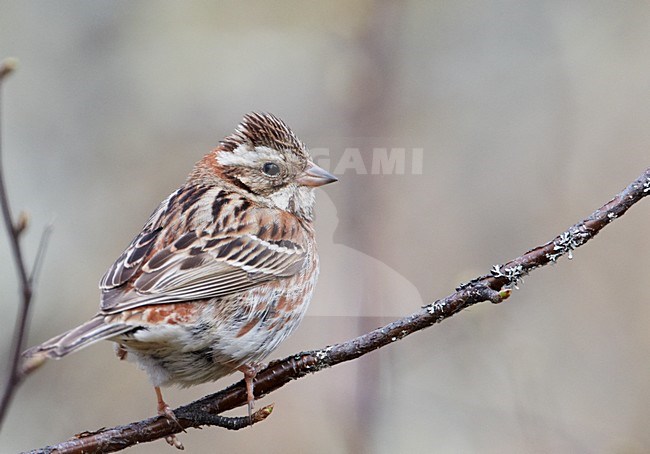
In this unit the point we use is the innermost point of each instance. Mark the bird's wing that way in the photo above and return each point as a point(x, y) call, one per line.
point(161, 268)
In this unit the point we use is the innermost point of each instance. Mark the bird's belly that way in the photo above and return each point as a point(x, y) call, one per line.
point(201, 351)
point(174, 355)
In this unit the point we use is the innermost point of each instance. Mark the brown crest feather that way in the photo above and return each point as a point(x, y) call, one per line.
point(264, 129)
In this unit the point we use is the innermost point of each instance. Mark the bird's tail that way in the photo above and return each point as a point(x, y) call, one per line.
point(77, 338)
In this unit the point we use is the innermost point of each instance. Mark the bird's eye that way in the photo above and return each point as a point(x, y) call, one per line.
point(271, 169)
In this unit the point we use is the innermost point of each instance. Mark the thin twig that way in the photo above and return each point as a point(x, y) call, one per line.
point(494, 287)
point(26, 279)
point(40, 253)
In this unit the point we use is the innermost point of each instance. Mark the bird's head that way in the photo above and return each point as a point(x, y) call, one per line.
point(264, 160)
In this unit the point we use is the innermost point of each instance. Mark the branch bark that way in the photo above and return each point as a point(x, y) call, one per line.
point(495, 287)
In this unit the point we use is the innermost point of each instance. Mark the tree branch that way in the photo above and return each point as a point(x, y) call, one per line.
point(25, 278)
point(494, 287)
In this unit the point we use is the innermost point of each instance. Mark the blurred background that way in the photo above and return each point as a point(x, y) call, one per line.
point(506, 122)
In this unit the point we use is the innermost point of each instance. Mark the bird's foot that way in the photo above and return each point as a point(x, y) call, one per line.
point(166, 411)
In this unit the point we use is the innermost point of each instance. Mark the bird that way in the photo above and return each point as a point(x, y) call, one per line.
point(221, 273)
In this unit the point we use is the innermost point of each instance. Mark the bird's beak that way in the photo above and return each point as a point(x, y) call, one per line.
point(314, 176)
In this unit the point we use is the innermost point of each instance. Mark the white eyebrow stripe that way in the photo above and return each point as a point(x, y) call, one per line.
point(245, 156)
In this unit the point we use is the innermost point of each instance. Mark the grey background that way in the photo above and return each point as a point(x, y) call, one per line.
point(530, 114)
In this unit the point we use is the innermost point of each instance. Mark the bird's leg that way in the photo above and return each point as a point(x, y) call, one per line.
point(164, 410)
point(249, 372)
